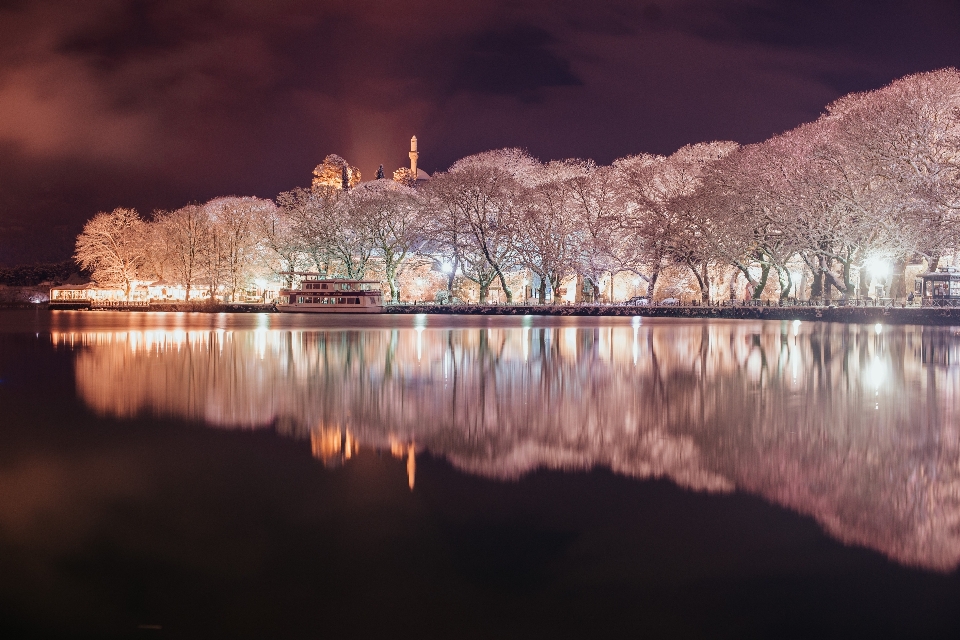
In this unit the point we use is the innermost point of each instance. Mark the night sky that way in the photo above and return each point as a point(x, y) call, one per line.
point(153, 104)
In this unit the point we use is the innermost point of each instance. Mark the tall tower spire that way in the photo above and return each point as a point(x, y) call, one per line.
point(413, 157)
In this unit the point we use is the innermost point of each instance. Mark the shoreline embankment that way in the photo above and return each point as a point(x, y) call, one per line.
point(854, 315)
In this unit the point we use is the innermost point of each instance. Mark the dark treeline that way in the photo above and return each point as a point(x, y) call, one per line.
point(31, 275)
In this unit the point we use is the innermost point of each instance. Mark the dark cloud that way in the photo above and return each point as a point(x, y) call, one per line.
point(152, 104)
point(513, 62)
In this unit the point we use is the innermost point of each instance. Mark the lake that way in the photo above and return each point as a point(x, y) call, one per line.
point(214, 475)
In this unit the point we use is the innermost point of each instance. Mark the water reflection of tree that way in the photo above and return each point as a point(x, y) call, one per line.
point(854, 426)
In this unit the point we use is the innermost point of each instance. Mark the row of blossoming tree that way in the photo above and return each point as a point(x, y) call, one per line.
point(875, 178)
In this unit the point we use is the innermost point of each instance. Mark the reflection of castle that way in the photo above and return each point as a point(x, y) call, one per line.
point(857, 426)
point(334, 446)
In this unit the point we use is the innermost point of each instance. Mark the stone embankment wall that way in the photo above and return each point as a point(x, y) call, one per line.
point(856, 315)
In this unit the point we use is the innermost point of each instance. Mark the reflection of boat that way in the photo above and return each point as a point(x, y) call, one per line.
point(331, 295)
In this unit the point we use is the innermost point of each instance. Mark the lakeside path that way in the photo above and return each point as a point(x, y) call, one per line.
point(855, 315)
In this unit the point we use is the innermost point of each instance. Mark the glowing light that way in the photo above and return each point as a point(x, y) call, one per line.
point(878, 268)
point(419, 324)
point(875, 374)
point(446, 267)
point(878, 328)
point(411, 466)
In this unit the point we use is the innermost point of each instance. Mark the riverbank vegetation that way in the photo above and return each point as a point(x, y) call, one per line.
point(825, 210)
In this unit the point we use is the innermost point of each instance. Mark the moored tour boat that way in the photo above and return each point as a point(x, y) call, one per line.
point(318, 294)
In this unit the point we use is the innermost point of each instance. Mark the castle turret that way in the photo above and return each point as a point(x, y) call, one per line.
point(413, 157)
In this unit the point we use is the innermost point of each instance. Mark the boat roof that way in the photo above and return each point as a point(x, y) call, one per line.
point(320, 277)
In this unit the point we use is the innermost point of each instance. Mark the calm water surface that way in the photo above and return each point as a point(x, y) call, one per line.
point(196, 475)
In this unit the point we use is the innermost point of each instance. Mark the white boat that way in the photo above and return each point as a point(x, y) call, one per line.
point(318, 294)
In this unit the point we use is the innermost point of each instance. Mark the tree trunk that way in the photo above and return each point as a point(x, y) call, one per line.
point(786, 284)
point(825, 273)
point(555, 287)
point(863, 286)
point(705, 285)
point(816, 286)
point(593, 289)
point(756, 286)
point(762, 283)
point(503, 284)
point(652, 282)
point(847, 282)
point(898, 279)
point(832, 279)
point(701, 281)
point(453, 274)
point(542, 290)
point(484, 288)
point(391, 282)
point(803, 284)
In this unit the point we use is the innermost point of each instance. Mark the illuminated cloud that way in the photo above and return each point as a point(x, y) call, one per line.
point(108, 103)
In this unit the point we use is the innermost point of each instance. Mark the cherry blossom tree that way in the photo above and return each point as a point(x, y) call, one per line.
point(336, 233)
point(547, 229)
point(903, 144)
point(750, 196)
point(279, 240)
point(112, 246)
point(444, 227)
point(188, 236)
point(236, 247)
point(311, 216)
point(597, 202)
point(390, 211)
point(484, 188)
point(666, 216)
